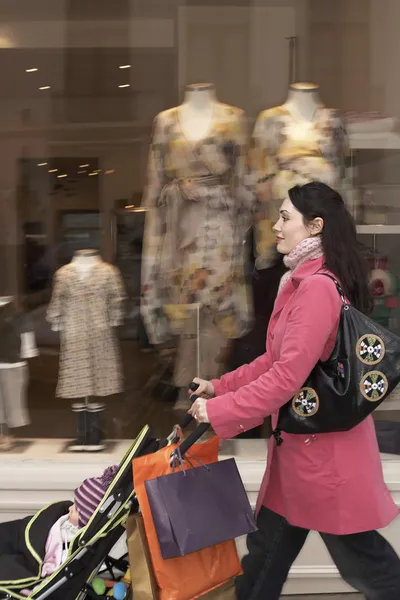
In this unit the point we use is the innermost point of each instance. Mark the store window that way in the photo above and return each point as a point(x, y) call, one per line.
point(146, 146)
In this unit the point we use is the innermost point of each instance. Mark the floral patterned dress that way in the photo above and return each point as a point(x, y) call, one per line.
point(287, 151)
point(197, 207)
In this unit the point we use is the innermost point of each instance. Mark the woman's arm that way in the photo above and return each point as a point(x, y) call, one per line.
point(312, 320)
point(242, 376)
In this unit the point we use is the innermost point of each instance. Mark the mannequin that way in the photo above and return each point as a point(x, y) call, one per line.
point(17, 343)
point(193, 255)
point(294, 143)
point(84, 261)
point(86, 306)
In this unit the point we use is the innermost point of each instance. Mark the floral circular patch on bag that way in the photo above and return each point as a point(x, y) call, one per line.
point(374, 386)
point(370, 349)
point(306, 402)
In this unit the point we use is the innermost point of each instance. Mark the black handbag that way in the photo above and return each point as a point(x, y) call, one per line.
point(364, 367)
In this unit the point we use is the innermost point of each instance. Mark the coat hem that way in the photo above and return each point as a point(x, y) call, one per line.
point(379, 524)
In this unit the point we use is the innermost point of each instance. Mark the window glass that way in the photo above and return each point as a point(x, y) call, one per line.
point(146, 146)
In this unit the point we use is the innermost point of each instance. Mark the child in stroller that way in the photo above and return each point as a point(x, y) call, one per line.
point(63, 523)
point(100, 514)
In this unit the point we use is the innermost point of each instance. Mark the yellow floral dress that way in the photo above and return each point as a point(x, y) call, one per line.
point(198, 208)
point(287, 151)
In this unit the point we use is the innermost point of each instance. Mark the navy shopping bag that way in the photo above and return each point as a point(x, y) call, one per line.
point(199, 507)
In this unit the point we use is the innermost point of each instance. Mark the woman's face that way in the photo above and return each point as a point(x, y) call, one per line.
point(73, 515)
point(290, 229)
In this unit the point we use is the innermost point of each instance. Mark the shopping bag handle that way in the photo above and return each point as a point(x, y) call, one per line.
point(198, 432)
point(193, 437)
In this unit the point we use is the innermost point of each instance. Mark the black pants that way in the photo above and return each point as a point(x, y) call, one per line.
point(366, 561)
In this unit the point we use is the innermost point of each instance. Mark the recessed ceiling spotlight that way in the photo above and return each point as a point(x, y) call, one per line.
point(125, 66)
point(45, 87)
point(33, 70)
point(125, 85)
point(62, 176)
point(53, 170)
point(83, 166)
point(43, 164)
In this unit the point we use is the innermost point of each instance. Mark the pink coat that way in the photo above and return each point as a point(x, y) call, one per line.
point(333, 483)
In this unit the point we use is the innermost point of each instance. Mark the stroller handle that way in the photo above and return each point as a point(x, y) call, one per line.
point(193, 437)
point(187, 419)
point(200, 429)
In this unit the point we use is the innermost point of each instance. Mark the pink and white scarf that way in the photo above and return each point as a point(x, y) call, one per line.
point(308, 249)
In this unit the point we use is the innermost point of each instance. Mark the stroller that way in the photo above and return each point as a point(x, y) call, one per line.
point(90, 548)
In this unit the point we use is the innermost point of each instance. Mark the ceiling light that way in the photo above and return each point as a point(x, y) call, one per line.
point(83, 166)
point(125, 85)
point(53, 170)
point(81, 172)
point(31, 70)
point(124, 66)
point(62, 176)
point(109, 171)
point(92, 174)
point(45, 87)
point(44, 164)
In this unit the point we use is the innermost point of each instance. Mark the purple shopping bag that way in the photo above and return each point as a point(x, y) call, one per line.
point(200, 507)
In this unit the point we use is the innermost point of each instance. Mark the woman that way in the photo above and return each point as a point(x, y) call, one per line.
point(332, 482)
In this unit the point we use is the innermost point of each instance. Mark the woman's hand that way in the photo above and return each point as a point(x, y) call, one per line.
point(205, 388)
point(198, 410)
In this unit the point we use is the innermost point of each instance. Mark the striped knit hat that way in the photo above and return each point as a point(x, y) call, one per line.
point(90, 493)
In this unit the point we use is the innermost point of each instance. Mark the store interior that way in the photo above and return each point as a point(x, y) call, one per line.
point(102, 112)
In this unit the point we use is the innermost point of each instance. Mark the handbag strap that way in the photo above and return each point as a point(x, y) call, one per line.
point(338, 287)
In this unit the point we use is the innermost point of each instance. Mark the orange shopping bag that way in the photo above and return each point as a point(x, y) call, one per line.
point(185, 577)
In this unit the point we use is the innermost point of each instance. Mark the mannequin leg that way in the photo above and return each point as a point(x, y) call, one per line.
point(95, 439)
point(89, 427)
point(12, 404)
point(15, 385)
point(80, 411)
point(6, 443)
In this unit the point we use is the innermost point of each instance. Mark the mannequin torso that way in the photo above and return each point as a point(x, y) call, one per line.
point(300, 141)
point(200, 149)
point(303, 104)
point(197, 111)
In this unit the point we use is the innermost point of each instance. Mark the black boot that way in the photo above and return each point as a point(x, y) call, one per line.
point(95, 435)
point(81, 417)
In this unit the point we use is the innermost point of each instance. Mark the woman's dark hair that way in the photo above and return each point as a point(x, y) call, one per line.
point(342, 251)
